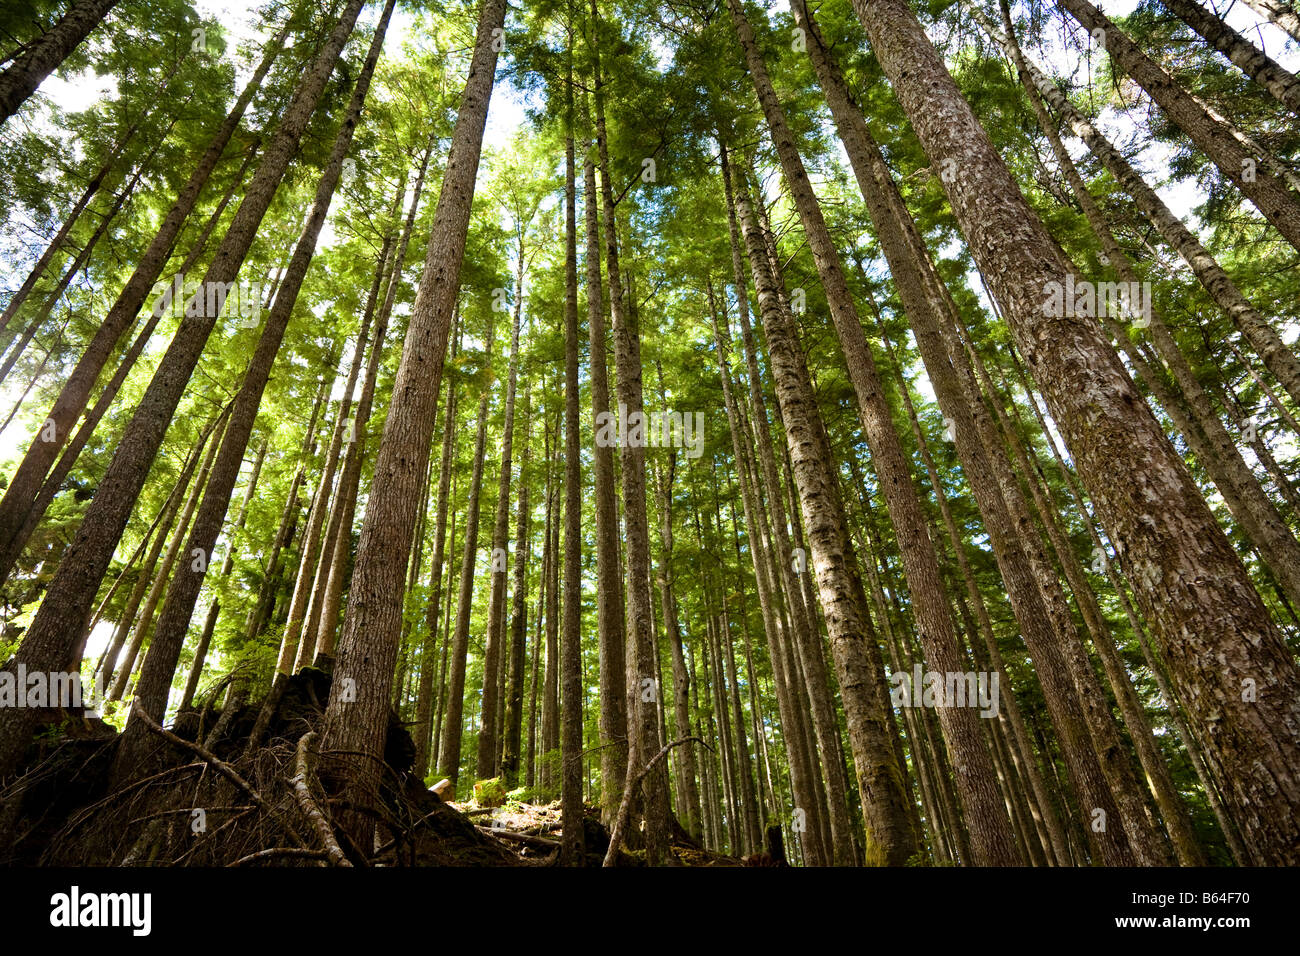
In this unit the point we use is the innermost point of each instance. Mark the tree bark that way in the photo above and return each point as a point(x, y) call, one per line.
point(428, 667)
point(609, 596)
point(1192, 587)
point(30, 68)
point(512, 727)
point(569, 673)
point(1275, 354)
point(1250, 59)
point(1210, 441)
point(16, 505)
point(1278, 13)
point(449, 751)
point(54, 632)
point(214, 609)
point(169, 638)
point(992, 836)
point(1268, 193)
point(890, 837)
point(489, 746)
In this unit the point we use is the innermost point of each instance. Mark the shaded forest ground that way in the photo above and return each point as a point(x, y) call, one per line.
point(208, 799)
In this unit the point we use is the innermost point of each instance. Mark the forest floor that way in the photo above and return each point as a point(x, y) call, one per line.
point(208, 799)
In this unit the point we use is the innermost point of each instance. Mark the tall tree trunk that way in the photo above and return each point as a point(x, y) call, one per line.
point(56, 244)
point(1275, 354)
point(1251, 60)
point(449, 751)
point(489, 745)
point(550, 730)
point(428, 667)
point(214, 609)
point(573, 848)
point(993, 839)
point(609, 596)
point(30, 68)
point(145, 620)
point(1037, 599)
point(1176, 820)
point(1210, 441)
point(890, 837)
point(79, 262)
point(808, 647)
point(689, 804)
point(54, 632)
point(160, 665)
point(1044, 813)
point(643, 729)
point(53, 482)
point(1278, 13)
point(319, 584)
point(1268, 193)
point(1192, 587)
point(16, 504)
point(785, 672)
point(339, 534)
point(368, 645)
point(160, 531)
point(512, 727)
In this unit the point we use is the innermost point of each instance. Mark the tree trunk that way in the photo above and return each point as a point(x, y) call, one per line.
point(489, 746)
point(214, 609)
point(609, 596)
point(161, 529)
point(55, 245)
point(30, 68)
point(16, 504)
point(689, 803)
point(573, 849)
point(428, 667)
point(890, 837)
point(1210, 441)
point(449, 751)
point(1251, 60)
point(1177, 822)
point(1275, 354)
point(1193, 588)
point(512, 727)
point(53, 482)
point(1278, 13)
point(145, 620)
point(1268, 193)
point(993, 839)
point(169, 638)
point(54, 632)
point(784, 671)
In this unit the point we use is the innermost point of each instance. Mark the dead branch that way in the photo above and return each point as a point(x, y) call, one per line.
point(625, 808)
point(513, 836)
point(308, 803)
point(278, 851)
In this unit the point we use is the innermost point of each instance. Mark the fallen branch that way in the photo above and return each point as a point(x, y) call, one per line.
point(513, 836)
point(217, 763)
point(270, 852)
point(625, 808)
point(308, 803)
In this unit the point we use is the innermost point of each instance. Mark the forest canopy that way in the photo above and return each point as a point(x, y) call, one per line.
point(704, 432)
